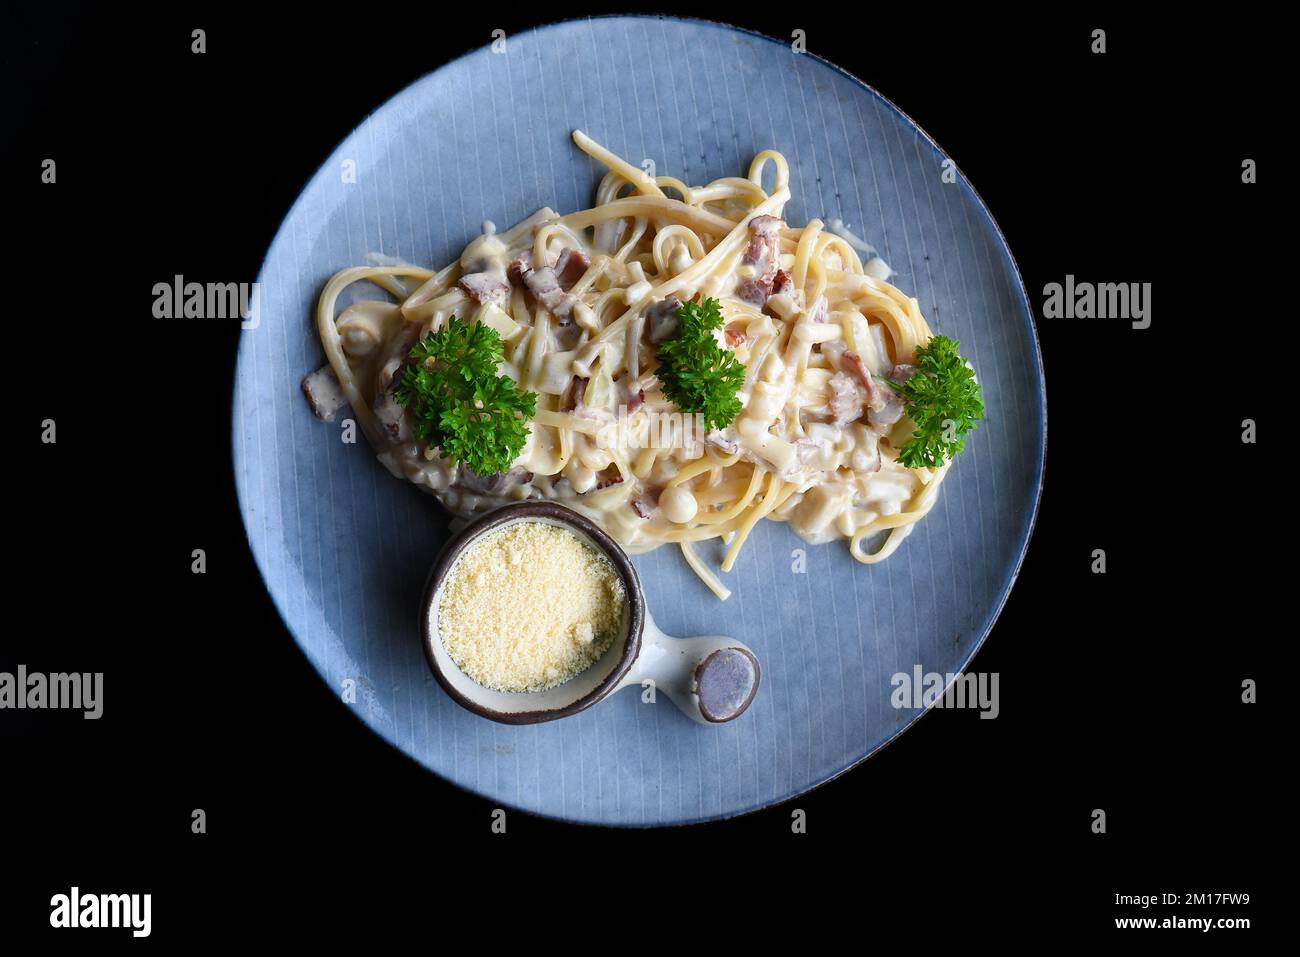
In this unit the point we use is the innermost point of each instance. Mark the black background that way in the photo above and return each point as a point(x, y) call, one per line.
point(1118, 691)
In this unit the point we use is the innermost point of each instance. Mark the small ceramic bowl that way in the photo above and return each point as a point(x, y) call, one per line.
point(712, 679)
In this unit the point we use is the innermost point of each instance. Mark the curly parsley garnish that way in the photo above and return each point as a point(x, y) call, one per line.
point(943, 400)
point(459, 403)
point(697, 374)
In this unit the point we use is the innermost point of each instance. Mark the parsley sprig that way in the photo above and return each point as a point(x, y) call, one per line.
point(459, 403)
point(943, 400)
point(697, 374)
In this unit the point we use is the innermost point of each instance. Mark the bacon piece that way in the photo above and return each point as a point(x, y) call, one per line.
point(569, 266)
point(753, 292)
point(762, 255)
point(646, 503)
point(392, 417)
point(764, 244)
point(485, 287)
point(902, 372)
point(845, 399)
point(520, 268)
point(812, 453)
point(545, 288)
point(323, 391)
point(573, 393)
point(547, 284)
point(852, 363)
point(609, 476)
point(782, 285)
point(734, 333)
point(661, 319)
point(887, 416)
point(884, 407)
point(390, 412)
point(891, 407)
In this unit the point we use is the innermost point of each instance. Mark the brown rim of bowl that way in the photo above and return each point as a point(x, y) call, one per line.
point(617, 557)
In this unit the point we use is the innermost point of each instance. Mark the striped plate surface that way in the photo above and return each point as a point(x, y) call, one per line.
point(344, 547)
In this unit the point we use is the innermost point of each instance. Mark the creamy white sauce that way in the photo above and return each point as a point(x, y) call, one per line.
point(872, 264)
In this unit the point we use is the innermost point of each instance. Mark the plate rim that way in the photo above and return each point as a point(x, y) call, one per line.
point(1036, 368)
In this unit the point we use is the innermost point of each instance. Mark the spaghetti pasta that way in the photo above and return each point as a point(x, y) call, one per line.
point(581, 302)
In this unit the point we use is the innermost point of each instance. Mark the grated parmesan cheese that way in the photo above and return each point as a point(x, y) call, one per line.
point(529, 606)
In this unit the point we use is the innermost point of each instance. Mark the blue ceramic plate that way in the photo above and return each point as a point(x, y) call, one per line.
point(344, 547)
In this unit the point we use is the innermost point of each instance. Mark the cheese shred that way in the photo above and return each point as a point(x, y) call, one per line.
point(530, 606)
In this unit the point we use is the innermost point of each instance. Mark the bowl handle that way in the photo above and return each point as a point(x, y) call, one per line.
point(712, 679)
